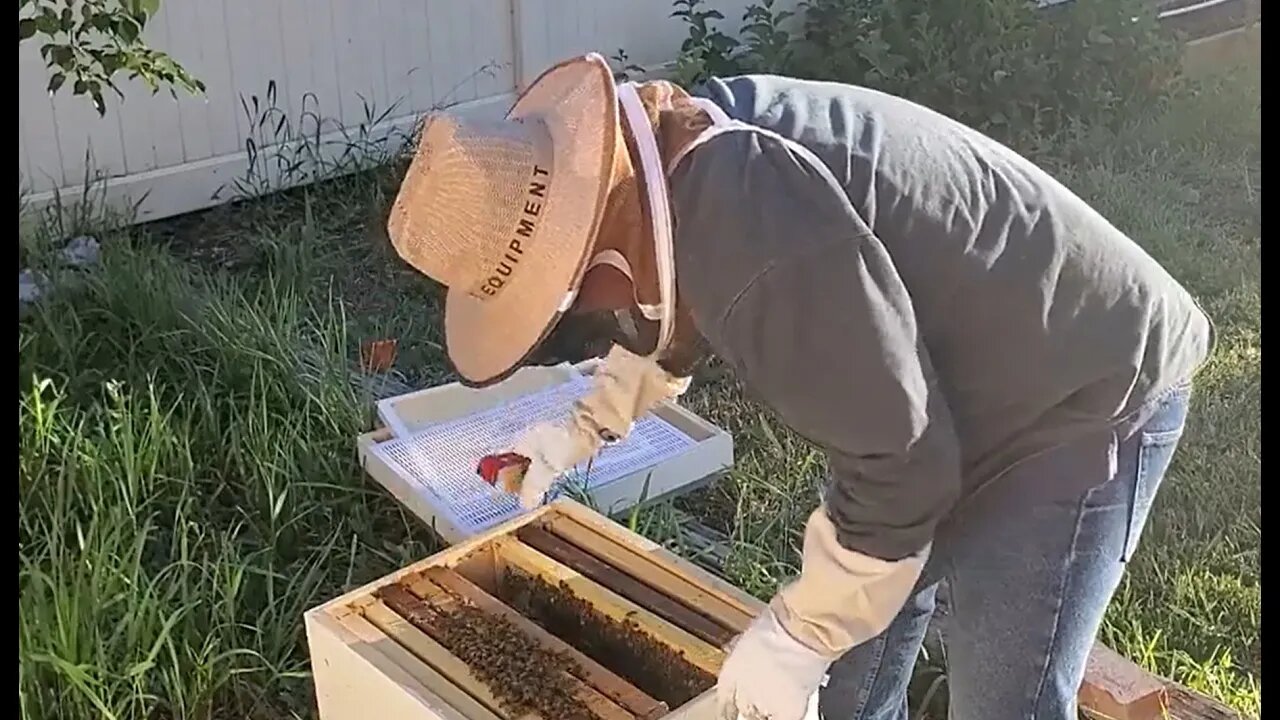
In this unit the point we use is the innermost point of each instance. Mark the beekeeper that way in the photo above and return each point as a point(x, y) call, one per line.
point(998, 376)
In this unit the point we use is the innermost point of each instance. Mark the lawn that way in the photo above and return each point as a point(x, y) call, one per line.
point(188, 485)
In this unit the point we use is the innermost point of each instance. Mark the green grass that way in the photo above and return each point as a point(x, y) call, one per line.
point(186, 489)
point(1189, 188)
point(188, 485)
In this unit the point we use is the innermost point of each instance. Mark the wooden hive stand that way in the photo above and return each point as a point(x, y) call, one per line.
point(1116, 688)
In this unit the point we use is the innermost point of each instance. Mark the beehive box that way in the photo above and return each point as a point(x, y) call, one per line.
point(425, 453)
point(559, 614)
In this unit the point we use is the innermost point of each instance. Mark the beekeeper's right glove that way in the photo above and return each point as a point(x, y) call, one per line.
point(552, 449)
point(624, 387)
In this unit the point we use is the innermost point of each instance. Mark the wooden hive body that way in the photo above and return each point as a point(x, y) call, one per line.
point(374, 656)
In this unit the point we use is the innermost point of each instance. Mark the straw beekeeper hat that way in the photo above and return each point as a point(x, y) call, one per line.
point(504, 213)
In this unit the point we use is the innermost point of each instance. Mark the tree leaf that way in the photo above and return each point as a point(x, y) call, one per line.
point(127, 28)
point(47, 23)
point(62, 56)
point(26, 28)
point(56, 81)
point(110, 62)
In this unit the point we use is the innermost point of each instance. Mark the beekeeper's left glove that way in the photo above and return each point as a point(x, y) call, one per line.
point(768, 674)
point(624, 387)
point(842, 598)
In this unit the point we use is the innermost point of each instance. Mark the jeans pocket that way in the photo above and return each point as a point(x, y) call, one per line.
point(1155, 452)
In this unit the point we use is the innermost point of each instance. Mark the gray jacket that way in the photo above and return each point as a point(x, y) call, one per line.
point(930, 309)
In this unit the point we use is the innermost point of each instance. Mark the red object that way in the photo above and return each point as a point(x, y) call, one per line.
point(492, 465)
point(378, 355)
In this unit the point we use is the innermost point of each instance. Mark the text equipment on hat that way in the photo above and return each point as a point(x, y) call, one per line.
point(536, 193)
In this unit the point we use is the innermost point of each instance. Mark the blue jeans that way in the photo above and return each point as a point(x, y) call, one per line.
point(1029, 578)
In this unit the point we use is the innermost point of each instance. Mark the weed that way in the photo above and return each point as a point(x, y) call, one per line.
point(625, 69)
point(286, 151)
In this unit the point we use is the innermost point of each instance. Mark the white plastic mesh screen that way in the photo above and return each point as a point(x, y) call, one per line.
point(440, 460)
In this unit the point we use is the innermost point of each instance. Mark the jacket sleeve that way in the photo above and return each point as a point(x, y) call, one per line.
point(791, 288)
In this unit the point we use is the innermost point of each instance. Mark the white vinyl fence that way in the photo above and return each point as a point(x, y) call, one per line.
point(286, 77)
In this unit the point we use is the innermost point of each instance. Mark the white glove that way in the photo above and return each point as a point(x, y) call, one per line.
point(626, 386)
point(552, 449)
point(768, 674)
point(841, 599)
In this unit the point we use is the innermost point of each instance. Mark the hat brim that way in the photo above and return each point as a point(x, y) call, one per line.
point(487, 340)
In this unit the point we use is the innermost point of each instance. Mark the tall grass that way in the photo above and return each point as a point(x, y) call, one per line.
point(187, 488)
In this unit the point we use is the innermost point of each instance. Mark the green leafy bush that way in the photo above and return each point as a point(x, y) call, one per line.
point(90, 42)
point(1003, 65)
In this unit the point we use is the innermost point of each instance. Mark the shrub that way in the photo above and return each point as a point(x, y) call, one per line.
point(1005, 66)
